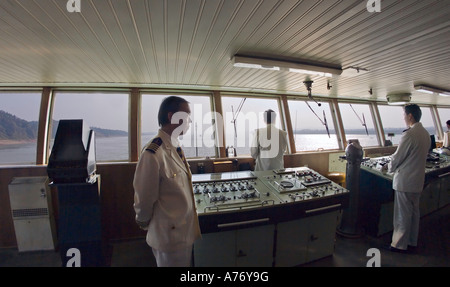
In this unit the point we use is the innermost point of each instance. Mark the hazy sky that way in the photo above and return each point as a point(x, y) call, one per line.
point(22, 105)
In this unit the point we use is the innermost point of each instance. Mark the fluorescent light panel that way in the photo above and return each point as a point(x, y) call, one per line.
point(398, 99)
point(432, 90)
point(282, 65)
point(255, 66)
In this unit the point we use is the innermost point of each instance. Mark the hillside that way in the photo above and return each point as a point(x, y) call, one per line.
point(16, 129)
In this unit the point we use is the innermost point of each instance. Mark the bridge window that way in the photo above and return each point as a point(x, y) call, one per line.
point(105, 113)
point(444, 115)
point(394, 123)
point(199, 141)
point(242, 116)
point(427, 121)
point(19, 115)
point(308, 124)
point(358, 123)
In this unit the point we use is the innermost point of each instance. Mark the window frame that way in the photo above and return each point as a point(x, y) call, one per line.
point(55, 91)
point(166, 93)
point(334, 119)
point(281, 114)
point(373, 116)
point(39, 91)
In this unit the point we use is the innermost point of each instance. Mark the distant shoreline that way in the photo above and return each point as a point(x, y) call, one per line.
point(13, 142)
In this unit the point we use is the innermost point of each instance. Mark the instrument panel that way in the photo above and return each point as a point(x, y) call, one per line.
point(244, 190)
point(300, 184)
point(233, 190)
point(434, 163)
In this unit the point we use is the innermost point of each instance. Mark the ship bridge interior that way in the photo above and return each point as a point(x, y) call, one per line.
point(333, 71)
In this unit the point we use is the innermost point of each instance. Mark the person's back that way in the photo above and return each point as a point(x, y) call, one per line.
point(408, 165)
point(269, 154)
point(410, 158)
point(269, 144)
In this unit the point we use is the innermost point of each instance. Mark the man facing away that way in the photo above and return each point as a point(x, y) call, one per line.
point(164, 200)
point(408, 166)
point(269, 144)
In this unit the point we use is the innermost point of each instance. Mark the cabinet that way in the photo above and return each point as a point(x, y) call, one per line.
point(284, 244)
point(306, 239)
point(429, 199)
point(249, 247)
point(32, 213)
point(79, 222)
point(444, 196)
point(378, 198)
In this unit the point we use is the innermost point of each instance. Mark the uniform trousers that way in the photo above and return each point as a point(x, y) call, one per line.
point(177, 258)
point(406, 219)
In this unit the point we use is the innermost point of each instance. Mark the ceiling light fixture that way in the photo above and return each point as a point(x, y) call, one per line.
point(432, 90)
point(290, 65)
point(398, 99)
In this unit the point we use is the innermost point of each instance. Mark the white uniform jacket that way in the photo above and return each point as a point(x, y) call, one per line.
point(446, 142)
point(163, 198)
point(408, 161)
point(268, 147)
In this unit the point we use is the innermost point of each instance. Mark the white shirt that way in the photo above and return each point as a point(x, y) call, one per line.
point(268, 147)
point(409, 160)
point(163, 198)
point(446, 139)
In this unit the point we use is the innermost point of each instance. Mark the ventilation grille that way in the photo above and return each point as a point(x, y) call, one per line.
point(29, 212)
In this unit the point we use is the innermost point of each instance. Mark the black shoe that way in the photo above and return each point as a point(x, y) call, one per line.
point(393, 249)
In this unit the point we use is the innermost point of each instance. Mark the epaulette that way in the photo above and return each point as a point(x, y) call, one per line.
point(155, 144)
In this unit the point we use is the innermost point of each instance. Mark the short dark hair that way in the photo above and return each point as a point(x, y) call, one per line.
point(448, 122)
point(169, 105)
point(415, 111)
point(269, 116)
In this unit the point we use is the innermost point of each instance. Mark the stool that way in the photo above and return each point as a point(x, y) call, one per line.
point(337, 177)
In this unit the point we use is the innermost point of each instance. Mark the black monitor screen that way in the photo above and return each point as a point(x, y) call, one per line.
point(433, 143)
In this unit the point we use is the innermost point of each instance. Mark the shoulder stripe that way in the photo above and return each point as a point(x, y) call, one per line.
point(154, 145)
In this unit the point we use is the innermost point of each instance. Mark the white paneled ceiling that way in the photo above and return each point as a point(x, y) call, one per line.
point(189, 44)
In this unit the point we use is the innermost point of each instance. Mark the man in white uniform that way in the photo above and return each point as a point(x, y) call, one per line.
point(269, 144)
point(164, 199)
point(408, 166)
point(446, 142)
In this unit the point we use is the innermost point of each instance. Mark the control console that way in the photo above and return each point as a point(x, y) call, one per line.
point(234, 190)
point(230, 200)
point(299, 184)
